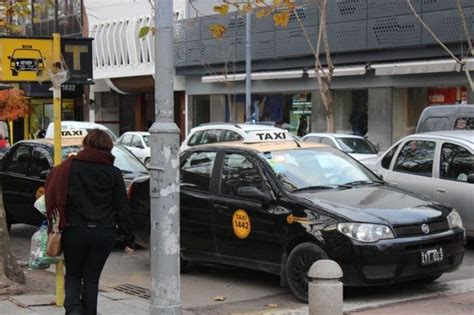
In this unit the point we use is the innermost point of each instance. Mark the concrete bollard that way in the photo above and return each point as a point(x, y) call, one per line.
point(325, 290)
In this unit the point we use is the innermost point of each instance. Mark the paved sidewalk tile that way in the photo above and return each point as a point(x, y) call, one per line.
point(48, 310)
point(9, 308)
point(116, 295)
point(119, 308)
point(34, 300)
point(137, 303)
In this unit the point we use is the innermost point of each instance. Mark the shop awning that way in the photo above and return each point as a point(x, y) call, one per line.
point(425, 66)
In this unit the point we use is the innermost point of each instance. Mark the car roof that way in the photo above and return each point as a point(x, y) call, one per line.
point(460, 135)
point(265, 146)
point(232, 126)
point(335, 135)
point(143, 133)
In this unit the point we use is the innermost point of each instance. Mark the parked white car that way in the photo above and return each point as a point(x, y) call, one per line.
point(437, 164)
point(138, 143)
point(211, 133)
point(356, 146)
point(76, 125)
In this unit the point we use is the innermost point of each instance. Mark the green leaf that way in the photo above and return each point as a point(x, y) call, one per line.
point(143, 32)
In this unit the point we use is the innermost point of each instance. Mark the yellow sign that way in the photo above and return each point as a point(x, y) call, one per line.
point(241, 224)
point(25, 59)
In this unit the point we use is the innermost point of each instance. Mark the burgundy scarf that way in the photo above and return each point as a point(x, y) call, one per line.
point(57, 182)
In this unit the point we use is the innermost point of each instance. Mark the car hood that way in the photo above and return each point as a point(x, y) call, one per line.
point(363, 156)
point(380, 204)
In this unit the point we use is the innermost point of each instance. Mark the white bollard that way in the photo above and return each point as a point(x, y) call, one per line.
point(325, 290)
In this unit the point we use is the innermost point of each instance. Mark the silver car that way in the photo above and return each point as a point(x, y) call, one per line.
point(439, 165)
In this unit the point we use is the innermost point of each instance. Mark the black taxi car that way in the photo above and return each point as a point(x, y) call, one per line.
point(280, 206)
point(25, 166)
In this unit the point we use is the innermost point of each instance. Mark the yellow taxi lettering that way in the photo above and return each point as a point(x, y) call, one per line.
point(241, 224)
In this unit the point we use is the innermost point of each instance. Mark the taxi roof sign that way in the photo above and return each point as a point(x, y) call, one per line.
point(72, 133)
point(268, 135)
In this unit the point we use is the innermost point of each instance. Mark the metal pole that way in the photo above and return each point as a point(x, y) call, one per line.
point(164, 173)
point(248, 68)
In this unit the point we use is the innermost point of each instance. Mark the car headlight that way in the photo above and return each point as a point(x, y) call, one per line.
point(365, 232)
point(454, 220)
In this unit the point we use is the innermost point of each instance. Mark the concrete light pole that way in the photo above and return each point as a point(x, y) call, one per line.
point(248, 68)
point(164, 173)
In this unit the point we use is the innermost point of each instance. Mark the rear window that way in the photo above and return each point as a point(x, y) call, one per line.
point(435, 124)
point(464, 123)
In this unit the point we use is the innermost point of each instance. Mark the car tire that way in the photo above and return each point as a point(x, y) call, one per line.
point(147, 162)
point(299, 261)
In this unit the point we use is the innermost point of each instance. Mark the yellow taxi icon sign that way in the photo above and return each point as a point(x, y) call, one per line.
point(241, 224)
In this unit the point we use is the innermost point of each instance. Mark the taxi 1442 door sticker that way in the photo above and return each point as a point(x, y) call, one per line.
point(241, 224)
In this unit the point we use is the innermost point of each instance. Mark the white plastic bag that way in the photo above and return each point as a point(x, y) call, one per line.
point(40, 205)
point(39, 242)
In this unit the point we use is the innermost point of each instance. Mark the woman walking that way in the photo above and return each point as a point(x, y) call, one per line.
point(89, 194)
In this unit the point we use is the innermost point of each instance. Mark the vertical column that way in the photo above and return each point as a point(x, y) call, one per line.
point(399, 114)
point(217, 108)
point(342, 110)
point(380, 116)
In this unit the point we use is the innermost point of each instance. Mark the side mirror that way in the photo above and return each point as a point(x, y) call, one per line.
point(44, 174)
point(254, 193)
point(140, 146)
point(470, 178)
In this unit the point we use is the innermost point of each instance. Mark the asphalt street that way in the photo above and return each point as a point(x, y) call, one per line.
point(240, 289)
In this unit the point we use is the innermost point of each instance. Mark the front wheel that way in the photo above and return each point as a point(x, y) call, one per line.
point(298, 264)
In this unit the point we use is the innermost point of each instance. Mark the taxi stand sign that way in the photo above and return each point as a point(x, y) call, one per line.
point(25, 59)
point(268, 135)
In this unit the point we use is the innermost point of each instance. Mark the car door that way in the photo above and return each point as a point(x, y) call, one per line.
point(456, 162)
point(246, 228)
point(197, 222)
point(412, 168)
point(41, 164)
point(15, 182)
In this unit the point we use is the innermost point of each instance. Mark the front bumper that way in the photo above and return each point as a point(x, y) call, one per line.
point(394, 260)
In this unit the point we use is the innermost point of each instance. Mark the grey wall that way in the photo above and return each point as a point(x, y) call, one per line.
point(380, 116)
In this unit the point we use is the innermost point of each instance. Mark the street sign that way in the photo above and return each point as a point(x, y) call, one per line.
point(25, 59)
point(77, 54)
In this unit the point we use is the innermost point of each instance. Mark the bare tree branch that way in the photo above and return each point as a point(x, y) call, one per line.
point(428, 29)
point(464, 25)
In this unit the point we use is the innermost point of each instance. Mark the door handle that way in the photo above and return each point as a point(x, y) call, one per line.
point(440, 190)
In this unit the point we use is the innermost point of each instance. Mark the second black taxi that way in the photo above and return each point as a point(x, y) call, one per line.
point(278, 206)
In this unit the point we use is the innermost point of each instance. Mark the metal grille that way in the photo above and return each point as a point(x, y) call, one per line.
point(447, 25)
point(134, 290)
point(436, 5)
point(381, 8)
point(349, 35)
point(393, 32)
point(346, 10)
point(410, 230)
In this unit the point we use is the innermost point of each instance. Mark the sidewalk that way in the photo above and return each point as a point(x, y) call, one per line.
point(453, 297)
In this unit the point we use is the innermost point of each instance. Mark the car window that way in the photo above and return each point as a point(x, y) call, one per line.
point(232, 136)
point(312, 139)
point(387, 159)
point(435, 123)
point(456, 162)
point(146, 139)
point(126, 140)
point(238, 172)
point(328, 141)
point(137, 142)
point(211, 136)
point(194, 140)
point(464, 123)
point(19, 160)
point(40, 162)
point(356, 145)
point(196, 171)
point(416, 157)
point(126, 161)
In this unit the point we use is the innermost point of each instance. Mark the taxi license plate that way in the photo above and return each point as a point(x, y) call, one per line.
point(431, 256)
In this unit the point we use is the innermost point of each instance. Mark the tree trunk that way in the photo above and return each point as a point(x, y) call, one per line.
point(11, 275)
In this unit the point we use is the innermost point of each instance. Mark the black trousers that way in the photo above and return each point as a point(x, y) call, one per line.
point(85, 252)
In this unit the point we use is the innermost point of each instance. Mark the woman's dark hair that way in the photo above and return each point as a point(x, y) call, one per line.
point(98, 139)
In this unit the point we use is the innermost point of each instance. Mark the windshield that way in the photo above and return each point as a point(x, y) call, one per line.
point(356, 145)
point(127, 162)
point(316, 168)
point(146, 139)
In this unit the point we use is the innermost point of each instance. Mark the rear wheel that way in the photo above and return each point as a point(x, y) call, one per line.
point(299, 261)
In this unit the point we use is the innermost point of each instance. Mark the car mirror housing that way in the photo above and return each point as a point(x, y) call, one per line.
point(254, 193)
point(470, 178)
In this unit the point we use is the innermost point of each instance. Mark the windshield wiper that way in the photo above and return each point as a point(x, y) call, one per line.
point(361, 182)
point(321, 187)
